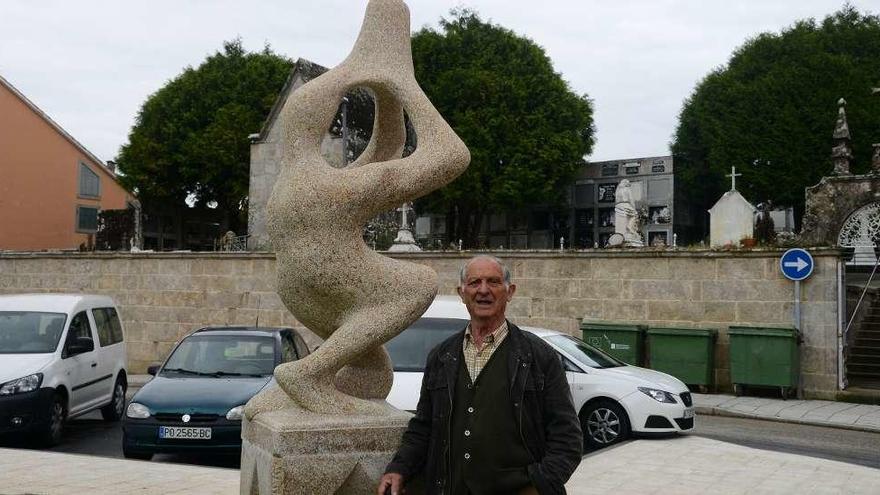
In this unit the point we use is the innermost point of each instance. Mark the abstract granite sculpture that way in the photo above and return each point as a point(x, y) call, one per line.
point(353, 297)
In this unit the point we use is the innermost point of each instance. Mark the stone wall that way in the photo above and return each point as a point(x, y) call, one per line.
point(163, 296)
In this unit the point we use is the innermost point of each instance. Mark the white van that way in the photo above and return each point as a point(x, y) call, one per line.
point(61, 356)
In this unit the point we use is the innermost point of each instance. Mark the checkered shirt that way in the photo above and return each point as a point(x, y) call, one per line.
point(476, 359)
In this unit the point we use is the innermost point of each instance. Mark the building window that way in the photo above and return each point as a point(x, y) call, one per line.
point(606, 218)
point(89, 182)
point(86, 219)
point(658, 169)
point(609, 169)
point(583, 194)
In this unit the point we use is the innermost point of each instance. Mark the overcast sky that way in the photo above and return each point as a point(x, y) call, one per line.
point(90, 64)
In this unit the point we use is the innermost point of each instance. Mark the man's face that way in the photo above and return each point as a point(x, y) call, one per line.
point(483, 290)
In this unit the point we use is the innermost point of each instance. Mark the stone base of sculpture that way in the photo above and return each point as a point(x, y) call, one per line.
point(293, 451)
point(404, 242)
point(633, 240)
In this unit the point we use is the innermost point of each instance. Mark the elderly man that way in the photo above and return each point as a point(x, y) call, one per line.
point(495, 414)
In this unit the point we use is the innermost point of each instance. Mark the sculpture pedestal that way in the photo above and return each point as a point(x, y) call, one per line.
point(294, 451)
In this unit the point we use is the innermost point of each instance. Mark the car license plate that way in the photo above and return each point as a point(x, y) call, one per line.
point(689, 413)
point(184, 433)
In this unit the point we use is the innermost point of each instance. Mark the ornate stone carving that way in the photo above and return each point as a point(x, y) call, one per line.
point(841, 152)
point(328, 278)
point(626, 217)
point(862, 228)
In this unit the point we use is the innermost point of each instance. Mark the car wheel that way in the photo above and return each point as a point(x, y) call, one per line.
point(113, 411)
point(54, 429)
point(604, 423)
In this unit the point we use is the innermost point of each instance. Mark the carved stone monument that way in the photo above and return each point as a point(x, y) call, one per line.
point(732, 218)
point(626, 217)
point(843, 208)
point(404, 242)
point(326, 427)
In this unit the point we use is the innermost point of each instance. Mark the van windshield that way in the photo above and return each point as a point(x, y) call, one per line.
point(409, 350)
point(28, 332)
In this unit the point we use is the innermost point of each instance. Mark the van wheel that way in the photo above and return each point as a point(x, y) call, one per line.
point(604, 423)
point(113, 411)
point(54, 429)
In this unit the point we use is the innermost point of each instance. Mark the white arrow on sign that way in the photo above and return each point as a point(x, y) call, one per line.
point(798, 264)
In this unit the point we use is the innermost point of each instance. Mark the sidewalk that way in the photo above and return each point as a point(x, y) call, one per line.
point(684, 464)
point(846, 415)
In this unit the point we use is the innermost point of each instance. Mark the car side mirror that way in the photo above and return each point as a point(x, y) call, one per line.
point(80, 345)
point(153, 369)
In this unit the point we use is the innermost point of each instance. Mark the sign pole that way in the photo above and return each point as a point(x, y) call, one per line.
point(797, 264)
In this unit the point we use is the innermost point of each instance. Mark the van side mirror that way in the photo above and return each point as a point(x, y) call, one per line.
point(80, 345)
point(153, 369)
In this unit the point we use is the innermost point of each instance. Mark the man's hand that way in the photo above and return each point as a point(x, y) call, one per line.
point(390, 480)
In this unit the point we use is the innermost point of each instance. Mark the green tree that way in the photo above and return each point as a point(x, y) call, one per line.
point(190, 138)
point(526, 129)
point(771, 111)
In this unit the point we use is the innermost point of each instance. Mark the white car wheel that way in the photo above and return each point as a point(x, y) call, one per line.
point(604, 423)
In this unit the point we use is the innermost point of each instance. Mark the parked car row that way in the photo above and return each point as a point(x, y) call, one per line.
point(64, 356)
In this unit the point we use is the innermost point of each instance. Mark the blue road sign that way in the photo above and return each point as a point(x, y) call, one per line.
point(796, 264)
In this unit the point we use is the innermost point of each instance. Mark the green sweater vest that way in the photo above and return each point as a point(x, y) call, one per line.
point(487, 453)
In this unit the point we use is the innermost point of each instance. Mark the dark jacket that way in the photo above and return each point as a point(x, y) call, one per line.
point(542, 404)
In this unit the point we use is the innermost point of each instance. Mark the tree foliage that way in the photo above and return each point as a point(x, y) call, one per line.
point(191, 136)
point(771, 111)
point(527, 131)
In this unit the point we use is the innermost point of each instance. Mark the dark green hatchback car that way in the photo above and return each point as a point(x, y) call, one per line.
point(196, 400)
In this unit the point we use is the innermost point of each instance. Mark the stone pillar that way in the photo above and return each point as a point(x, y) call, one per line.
point(841, 152)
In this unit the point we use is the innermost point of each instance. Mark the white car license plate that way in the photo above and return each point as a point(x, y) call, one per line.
point(184, 433)
point(689, 413)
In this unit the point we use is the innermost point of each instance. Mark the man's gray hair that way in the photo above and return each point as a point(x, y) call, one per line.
point(462, 274)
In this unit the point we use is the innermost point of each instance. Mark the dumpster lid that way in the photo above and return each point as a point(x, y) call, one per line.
point(766, 331)
point(696, 332)
point(601, 325)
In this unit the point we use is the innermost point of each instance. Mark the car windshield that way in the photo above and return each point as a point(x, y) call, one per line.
point(584, 353)
point(409, 350)
point(221, 356)
point(28, 332)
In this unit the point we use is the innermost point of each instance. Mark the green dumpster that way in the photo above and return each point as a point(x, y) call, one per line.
point(764, 356)
point(685, 353)
point(625, 342)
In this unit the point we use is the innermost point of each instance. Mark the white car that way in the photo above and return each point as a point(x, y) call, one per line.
point(613, 399)
point(61, 356)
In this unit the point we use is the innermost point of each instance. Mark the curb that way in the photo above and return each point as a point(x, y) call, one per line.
point(717, 411)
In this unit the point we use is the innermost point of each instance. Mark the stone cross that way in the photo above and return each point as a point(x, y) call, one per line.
point(733, 175)
point(403, 210)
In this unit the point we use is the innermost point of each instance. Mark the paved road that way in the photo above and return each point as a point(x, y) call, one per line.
point(91, 435)
point(854, 447)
